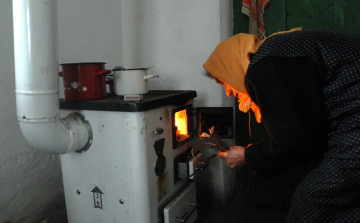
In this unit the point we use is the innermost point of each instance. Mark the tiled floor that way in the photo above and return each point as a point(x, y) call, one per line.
point(239, 211)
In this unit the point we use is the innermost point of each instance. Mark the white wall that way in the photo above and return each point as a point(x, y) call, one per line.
point(175, 36)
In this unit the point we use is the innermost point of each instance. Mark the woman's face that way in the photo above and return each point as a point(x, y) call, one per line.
point(228, 89)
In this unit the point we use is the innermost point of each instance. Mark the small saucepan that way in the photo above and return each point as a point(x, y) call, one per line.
point(130, 81)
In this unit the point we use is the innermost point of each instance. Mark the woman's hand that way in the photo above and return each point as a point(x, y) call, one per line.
point(235, 157)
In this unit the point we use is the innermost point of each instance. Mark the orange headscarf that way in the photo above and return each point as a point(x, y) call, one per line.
point(230, 61)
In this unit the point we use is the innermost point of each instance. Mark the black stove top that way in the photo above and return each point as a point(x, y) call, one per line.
point(151, 100)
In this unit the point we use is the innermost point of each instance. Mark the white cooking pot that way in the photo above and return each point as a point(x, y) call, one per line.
point(131, 81)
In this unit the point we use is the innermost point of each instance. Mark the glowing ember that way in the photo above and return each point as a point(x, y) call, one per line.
point(181, 125)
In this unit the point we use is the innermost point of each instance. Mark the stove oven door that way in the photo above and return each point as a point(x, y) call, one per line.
point(183, 207)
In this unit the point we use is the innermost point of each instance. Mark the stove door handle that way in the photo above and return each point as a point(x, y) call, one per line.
point(187, 215)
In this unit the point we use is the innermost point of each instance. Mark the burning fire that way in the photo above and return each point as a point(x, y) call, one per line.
point(181, 125)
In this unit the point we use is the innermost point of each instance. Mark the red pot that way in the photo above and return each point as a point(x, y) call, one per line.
point(84, 81)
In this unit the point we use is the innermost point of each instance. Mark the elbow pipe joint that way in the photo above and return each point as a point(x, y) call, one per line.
point(58, 135)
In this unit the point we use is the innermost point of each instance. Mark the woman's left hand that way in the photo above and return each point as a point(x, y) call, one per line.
point(235, 157)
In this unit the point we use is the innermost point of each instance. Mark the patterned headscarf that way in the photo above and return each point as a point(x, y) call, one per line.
point(229, 63)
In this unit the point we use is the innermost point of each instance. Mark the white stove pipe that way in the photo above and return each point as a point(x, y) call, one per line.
point(36, 79)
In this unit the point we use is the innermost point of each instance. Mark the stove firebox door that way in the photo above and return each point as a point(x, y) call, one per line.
point(220, 117)
point(182, 125)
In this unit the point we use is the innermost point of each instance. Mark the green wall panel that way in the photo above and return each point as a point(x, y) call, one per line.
point(333, 14)
point(241, 21)
point(275, 16)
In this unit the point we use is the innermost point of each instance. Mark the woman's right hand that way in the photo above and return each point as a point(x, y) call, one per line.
point(235, 157)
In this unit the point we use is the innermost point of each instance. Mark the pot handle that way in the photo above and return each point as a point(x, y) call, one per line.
point(110, 81)
point(147, 77)
point(102, 72)
point(60, 73)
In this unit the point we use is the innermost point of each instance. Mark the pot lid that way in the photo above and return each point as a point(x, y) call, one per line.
point(117, 68)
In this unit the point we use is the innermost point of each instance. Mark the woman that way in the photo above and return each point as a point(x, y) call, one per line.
point(305, 88)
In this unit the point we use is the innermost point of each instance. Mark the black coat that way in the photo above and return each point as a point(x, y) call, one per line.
point(307, 86)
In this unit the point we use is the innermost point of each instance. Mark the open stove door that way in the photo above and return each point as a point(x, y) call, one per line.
point(221, 118)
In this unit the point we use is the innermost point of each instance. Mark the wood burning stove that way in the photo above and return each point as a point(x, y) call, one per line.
point(128, 172)
point(137, 168)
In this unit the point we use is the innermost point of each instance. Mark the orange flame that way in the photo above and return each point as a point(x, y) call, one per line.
point(181, 122)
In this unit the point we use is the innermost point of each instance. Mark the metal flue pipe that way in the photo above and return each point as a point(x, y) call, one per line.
point(37, 83)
